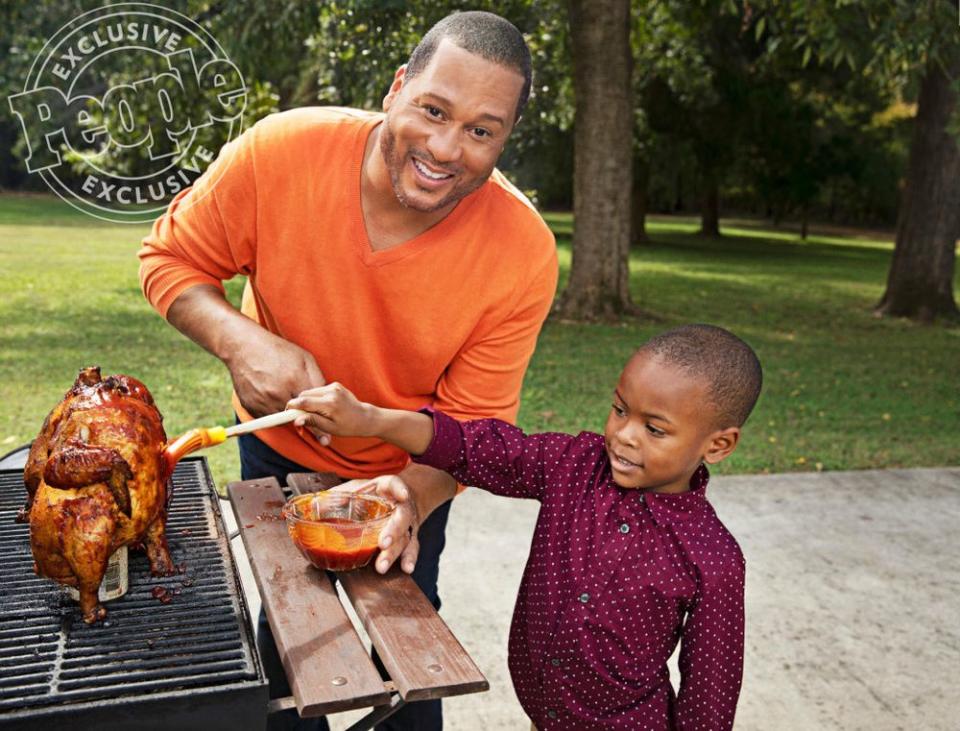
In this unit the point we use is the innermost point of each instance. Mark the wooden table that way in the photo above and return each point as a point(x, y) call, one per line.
point(326, 662)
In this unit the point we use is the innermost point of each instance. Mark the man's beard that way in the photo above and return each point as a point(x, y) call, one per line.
point(395, 163)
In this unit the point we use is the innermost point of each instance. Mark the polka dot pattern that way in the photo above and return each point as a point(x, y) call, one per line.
point(615, 579)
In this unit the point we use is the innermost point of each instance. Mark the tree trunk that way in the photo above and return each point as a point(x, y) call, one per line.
point(920, 281)
point(638, 208)
point(599, 286)
point(710, 206)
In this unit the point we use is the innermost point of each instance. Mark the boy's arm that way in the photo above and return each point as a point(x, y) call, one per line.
point(493, 454)
point(711, 654)
point(487, 453)
point(409, 430)
point(333, 409)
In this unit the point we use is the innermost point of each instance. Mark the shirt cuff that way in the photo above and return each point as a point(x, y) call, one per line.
point(446, 449)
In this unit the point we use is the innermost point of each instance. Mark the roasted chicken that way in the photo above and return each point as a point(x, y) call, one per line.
point(96, 480)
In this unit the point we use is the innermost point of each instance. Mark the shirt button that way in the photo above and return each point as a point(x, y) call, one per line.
point(624, 528)
point(584, 598)
point(555, 662)
point(551, 713)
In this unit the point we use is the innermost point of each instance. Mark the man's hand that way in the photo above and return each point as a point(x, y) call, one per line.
point(417, 491)
point(398, 539)
point(334, 410)
point(267, 371)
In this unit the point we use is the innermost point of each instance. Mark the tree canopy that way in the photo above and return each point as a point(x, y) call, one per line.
point(809, 110)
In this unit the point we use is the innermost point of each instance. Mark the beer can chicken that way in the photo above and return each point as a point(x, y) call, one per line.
point(96, 480)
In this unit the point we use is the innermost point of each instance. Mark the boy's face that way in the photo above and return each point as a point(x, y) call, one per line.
point(661, 427)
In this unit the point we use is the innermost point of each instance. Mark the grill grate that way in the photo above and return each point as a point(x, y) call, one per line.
point(199, 642)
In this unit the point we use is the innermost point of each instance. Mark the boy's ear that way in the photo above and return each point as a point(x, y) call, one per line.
point(395, 87)
point(721, 444)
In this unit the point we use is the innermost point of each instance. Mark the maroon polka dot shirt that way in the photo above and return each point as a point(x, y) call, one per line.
point(615, 578)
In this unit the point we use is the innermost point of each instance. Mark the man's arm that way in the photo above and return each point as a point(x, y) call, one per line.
point(266, 369)
point(209, 235)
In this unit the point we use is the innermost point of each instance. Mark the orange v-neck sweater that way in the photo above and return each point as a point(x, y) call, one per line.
point(448, 319)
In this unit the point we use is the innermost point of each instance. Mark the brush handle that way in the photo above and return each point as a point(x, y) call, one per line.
point(265, 422)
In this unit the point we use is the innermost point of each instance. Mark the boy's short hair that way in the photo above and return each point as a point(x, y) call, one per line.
point(484, 34)
point(719, 357)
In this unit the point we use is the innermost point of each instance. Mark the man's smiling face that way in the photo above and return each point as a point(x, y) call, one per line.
point(446, 127)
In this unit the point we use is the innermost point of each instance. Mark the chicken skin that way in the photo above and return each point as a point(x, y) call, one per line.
point(96, 480)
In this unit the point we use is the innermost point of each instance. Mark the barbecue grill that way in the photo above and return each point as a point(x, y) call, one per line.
point(187, 663)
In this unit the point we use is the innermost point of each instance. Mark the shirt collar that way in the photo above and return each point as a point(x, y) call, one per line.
point(668, 508)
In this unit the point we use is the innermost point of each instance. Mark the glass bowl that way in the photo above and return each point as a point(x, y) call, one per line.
point(337, 531)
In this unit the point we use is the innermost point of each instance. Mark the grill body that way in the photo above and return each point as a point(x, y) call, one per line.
point(189, 663)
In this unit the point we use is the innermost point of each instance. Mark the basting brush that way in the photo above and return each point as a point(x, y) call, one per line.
point(195, 439)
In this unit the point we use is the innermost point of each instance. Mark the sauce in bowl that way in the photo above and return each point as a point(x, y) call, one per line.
point(337, 531)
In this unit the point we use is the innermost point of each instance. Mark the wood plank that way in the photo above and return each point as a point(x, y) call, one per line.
point(301, 482)
point(419, 651)
point(326, 663)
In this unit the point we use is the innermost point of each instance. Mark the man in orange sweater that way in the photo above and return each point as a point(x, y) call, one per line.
point(384, 251)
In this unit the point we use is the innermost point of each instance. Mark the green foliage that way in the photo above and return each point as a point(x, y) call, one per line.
point(259, 101)
point(700, 72)
point(893, 38)
point(727, 96)
point(268, 40)
point(26, 30)
point(779, 101)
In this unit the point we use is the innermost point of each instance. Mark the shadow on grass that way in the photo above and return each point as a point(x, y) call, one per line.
point(733, 248)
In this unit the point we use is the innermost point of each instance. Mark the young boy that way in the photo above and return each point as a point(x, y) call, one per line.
point(628, 557)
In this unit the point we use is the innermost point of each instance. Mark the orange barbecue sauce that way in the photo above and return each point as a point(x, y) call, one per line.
point(187, 443)
point(178, 449)
point(339, 544)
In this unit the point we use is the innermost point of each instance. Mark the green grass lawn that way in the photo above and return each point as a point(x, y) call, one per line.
point(843, 389)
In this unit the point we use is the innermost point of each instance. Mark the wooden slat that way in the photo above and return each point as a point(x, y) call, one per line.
point(326, 663)
point(301, 482)
point(419, 651)
point(417, 648)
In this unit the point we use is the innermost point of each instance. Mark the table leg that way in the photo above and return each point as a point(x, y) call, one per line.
point(379, 714)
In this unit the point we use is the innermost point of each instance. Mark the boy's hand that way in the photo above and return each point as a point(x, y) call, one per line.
point(398, 539)
point(333, 410)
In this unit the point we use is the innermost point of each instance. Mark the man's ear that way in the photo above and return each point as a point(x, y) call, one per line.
point(395, 87)
point(721, 444)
